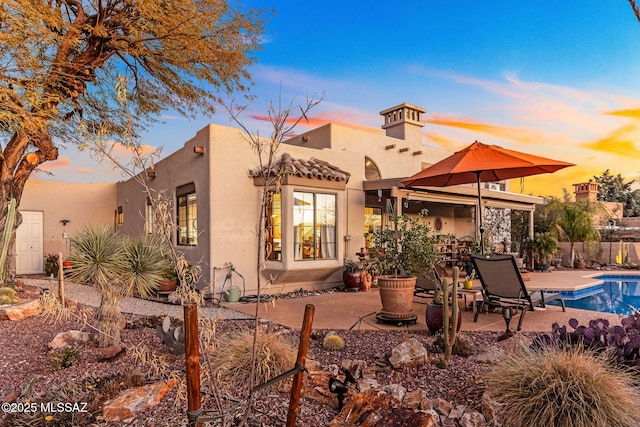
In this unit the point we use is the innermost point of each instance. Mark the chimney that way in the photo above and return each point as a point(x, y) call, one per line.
point(586, 191)
point(403, 122)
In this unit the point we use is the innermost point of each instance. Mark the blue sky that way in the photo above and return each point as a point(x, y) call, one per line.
point(556, 79)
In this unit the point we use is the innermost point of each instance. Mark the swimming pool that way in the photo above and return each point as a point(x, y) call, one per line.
point(613, 295)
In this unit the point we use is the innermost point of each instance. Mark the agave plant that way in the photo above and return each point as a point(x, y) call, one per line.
point(118, 267)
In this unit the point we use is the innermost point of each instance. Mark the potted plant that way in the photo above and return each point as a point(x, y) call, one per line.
point(579, 260)
point(400, 254)
point(543, 247)
point(169, 280)
point(468, 280)
point(351, 276)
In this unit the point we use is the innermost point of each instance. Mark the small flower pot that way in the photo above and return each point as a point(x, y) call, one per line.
point(352, 279)
point(434, 318)
point(467, 284)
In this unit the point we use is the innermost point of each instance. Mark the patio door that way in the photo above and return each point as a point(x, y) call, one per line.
point(29, 244)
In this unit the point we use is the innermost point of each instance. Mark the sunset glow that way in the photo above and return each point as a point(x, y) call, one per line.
point(557, 80)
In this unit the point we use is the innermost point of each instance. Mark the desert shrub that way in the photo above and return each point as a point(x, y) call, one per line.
point(571, 387)
point(8, 296)
point(63, 358)
point(231, 358)
point(461, 347)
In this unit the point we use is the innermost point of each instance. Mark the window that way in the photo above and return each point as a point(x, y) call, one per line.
point(372, 222)
point(314, 225)
point(187, 215)
point(371, 170)
point(273, 248)
point(119, 216)
point(149, 215)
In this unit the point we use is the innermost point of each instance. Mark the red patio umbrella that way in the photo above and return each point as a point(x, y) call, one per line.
point(482, 163)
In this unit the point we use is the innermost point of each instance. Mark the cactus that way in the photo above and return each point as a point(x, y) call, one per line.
point(6, 237)
point(450, 316)
point(332, 342)
point(8, 296)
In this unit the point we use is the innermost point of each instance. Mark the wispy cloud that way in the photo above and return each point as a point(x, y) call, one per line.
point(520, 135)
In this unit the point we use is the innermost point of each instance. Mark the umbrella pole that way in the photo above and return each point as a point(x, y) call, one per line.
point(480, 228)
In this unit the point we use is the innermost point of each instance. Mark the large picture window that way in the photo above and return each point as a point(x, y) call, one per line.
point(314, 225)
point(187, 215)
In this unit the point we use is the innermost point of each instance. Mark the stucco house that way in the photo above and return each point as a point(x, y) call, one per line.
point(339, 183)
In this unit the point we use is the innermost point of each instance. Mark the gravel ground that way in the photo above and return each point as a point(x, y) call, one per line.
point(24, 357)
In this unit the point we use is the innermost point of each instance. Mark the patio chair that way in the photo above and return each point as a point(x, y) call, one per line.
point(427, 284)
point(503, 287)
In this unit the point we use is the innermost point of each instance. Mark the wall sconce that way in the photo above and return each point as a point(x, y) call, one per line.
point(305, 138)
point(198, 149)
point(65, 221)
point(151, 174)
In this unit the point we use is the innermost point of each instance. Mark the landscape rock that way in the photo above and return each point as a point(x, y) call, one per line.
point(365, 384)
point(21, 311)
point(112, 353)
point(354, 367)
point(316, 385)
point(409, 353)
point(378, 409)
point(124, 407)
point(68, 339)
point(491, 409)
point(441, 406)
point(457, 412)
point(413, 398)
point(395, 390)
point(472, 419)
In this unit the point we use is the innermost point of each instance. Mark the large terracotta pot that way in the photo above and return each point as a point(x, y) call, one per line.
point(396, 294)
point(352, 279)
point(434, 318)
point(580, 265)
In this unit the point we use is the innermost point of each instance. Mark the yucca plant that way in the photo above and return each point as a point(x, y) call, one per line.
point(117, 266)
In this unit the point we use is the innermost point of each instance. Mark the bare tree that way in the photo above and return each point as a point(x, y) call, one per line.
point(284, 120)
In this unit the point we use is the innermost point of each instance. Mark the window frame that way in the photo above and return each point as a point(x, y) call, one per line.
point(301, 251)
point(190, 225)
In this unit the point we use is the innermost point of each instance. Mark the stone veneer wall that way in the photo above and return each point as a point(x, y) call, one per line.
point(497, 225)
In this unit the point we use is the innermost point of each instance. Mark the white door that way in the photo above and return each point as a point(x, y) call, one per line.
point(29, 242)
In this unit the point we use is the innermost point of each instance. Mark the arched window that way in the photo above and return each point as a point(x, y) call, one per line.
point(371, 170)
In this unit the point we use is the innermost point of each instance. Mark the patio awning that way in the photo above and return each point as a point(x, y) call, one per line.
point(458, 194)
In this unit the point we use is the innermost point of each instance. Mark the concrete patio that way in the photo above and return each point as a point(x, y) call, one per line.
point(356, 310)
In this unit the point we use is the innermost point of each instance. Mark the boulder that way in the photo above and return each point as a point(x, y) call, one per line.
point(69, 338)
point(21, 311)
point(377, 409)
point(128, 403)
point(409, 353)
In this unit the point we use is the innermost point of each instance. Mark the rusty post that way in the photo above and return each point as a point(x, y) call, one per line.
point(60, 279)
point(303, 348)
point(192, 359)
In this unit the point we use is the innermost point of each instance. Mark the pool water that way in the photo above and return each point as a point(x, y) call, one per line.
point(614, 295)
